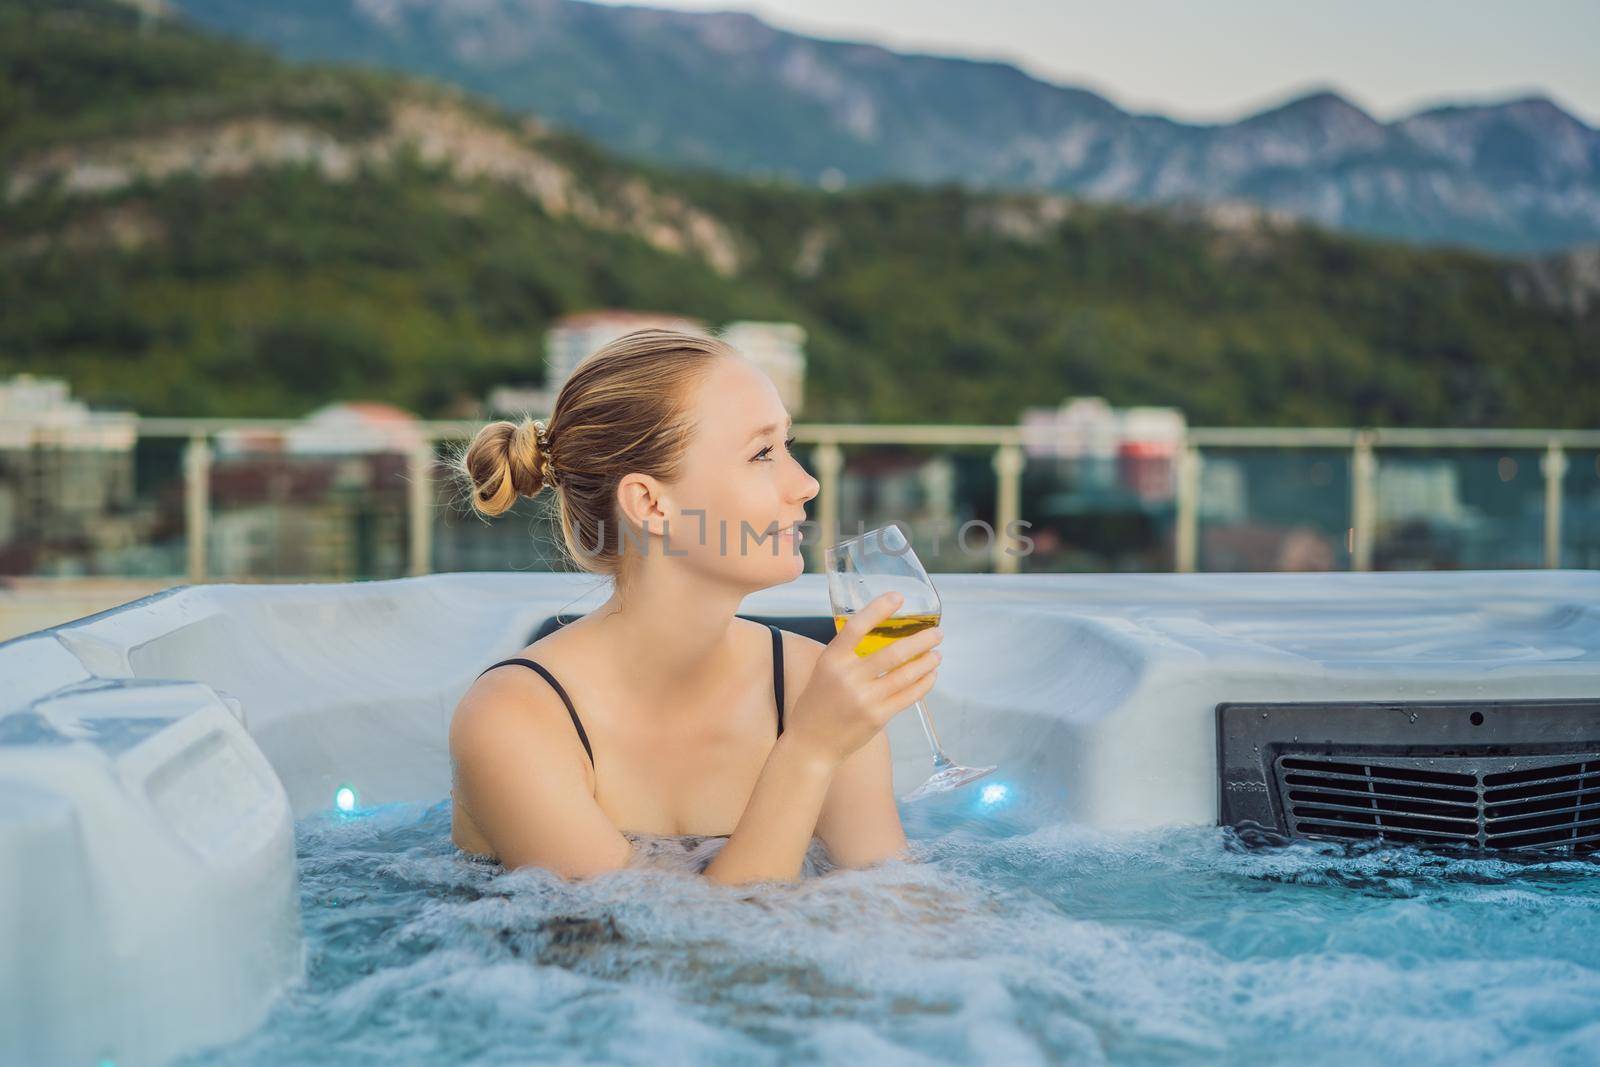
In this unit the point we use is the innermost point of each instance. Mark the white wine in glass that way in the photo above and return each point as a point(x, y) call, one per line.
point(863, 568)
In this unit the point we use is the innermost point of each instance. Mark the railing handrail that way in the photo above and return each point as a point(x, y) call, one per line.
point(1387, 437)
point(919, 433)
point(417, 439)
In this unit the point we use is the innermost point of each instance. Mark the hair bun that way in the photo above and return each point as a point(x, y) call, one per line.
point(507, 460)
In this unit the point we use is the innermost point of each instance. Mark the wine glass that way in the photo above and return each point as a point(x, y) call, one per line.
point(859, 570)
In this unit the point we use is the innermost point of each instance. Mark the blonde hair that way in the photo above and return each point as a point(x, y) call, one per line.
point(623, 410)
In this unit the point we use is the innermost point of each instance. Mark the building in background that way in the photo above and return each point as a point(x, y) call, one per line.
point(1420, 488)
point(1147, 452)
point(325, 497)
point(777, 348)
point(1224, 490)
point(1100, 484)
point(357, 427)
point(918, 492)
point(361, 426)
point(1083, 427)
point(1102, 450)
point(576, 336)
point(66, 480)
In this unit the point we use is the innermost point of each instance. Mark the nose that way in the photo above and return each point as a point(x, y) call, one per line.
point(810, 487)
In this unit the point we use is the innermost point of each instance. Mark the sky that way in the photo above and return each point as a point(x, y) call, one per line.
point(1218, 60)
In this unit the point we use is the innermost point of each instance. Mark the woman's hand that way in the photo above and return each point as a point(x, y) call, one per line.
point(846, 702)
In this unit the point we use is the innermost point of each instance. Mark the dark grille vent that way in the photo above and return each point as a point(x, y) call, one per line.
point(1485, 775)
point(1476, 802)
point(1546, 807)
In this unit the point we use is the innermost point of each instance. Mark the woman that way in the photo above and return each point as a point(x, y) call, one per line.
point(661, 715)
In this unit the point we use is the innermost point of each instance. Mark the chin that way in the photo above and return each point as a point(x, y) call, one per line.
point(782, 571)
point(794, 567)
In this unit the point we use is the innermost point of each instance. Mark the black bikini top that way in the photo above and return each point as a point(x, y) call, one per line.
point(777, 686)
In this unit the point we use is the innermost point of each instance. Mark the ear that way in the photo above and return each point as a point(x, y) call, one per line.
point(642, 502)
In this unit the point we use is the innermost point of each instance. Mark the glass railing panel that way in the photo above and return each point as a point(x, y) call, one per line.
point(942, 497)
point(1100, 513)
point(1274, 509)
point(1458, 508)
point(1580, 510)
point(322, 516)
point(109, 507)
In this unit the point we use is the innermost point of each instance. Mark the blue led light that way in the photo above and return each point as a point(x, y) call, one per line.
point(344, 798)
point(993, 793)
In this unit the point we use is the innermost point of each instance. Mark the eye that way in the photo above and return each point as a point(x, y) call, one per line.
point(788, 443)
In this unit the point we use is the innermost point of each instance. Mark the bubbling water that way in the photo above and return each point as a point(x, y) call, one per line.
point(1002, 942)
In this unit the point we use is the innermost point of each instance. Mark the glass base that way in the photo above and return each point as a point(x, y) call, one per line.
point(950, 776)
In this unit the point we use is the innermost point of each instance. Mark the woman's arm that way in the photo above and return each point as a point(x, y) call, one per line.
point(775, 830)
point(520, 770)
point(859, 822)
point(839, 715)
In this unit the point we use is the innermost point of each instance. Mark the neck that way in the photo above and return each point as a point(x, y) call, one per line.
point(671, 633)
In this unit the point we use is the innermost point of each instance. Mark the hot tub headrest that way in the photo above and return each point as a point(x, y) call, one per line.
point(816, 627)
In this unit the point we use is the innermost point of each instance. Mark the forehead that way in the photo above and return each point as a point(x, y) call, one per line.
point(735, 399)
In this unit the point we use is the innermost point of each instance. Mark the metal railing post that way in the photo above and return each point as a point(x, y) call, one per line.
point(1007, 506)
point(1363, 503)
point(419, 506)
point(1554, 466)
point(197, 504)
point(829, 461)
point(1186, 537)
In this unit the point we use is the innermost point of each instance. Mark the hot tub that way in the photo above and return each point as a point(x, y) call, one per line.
point(158, 761)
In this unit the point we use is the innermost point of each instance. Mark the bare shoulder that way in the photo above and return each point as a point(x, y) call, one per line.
point(498, 691)
point(513, 706)
point(523, 785)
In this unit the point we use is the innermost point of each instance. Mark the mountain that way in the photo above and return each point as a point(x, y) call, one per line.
point(724, 90)
point(192, 226)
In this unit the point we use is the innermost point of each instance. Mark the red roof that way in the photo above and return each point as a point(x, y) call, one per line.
point(377, 411)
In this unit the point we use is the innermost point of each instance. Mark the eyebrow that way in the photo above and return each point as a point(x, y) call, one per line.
point(769, 428)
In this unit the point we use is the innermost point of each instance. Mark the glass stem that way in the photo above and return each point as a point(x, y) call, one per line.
point(939, 758)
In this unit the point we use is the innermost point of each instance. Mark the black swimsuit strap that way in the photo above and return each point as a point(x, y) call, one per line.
point(777, 672)
point(562, 693)
point(777, 686)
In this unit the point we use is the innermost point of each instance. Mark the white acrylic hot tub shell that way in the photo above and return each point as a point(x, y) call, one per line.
point(147, 900)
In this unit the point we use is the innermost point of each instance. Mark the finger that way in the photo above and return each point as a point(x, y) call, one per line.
point(907, 648)
point(906, 673)
point(897, 702)
point(861, 622)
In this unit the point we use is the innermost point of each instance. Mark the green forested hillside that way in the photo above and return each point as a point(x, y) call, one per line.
point(257, 276)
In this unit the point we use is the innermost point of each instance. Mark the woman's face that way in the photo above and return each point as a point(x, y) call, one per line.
point(739, 485)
